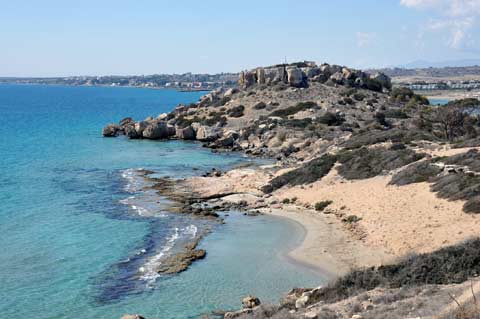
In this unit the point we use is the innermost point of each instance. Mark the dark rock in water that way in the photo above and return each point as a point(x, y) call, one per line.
point(131, 132)
point(110, 130)
point(126, 121)
point(180, 261)
point(132, 317)
point(250, 302)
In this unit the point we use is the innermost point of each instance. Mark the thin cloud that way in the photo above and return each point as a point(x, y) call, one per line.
point(457, 17)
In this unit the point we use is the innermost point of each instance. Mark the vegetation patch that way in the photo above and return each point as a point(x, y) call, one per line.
point(394, 135)
point(259, 106)
point(369, 162)
point(331, 119)
point(416, 173)
point(302, 106)
point(308, 173)
point(320, 206)
point(454, 264)
point(236, 111)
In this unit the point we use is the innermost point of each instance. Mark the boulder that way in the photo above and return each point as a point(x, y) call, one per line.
point(157, 130)
point(274, 75)
point(140, 127)
point(131, 132)
point(230, 92)
point(126, 121)
point(250, 302)
point(185, 133)
point(162, 116)
point(247, 79)
point(227, 140)
point(302, 301)
point(295, 77)
point(132, 317)
point(321, 78)
point(311, 72)
point(206, 133)
point(337, 77)
point(110, 130)
point(236, 314)
point(261, 76)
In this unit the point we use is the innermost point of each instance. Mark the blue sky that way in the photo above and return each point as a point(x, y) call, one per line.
point(61, 38)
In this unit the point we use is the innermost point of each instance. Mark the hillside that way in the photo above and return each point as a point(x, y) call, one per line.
point(388, 175)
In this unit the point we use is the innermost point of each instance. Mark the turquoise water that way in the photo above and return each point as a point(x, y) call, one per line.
point(438, 101)
point(72, 245)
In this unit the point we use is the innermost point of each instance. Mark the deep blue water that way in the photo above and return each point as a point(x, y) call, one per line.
point(72, 236)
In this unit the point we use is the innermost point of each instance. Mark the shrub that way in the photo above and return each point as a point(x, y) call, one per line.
point(415, 173)
point(395, 113)
point(320, 206)
point(286, 201)
point(454, 264)
point(372, 84)
point(369, 162)
point(331, 119)
point(291, 110)
point(307, 173)
point(236, 111)
point(351, 219)
point(259, 106)
point(359, 96)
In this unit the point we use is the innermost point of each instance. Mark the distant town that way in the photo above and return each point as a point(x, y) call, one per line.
point(425, 79)
point(181, 82)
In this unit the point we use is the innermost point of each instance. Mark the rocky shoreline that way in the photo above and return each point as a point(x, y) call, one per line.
point(375, 169)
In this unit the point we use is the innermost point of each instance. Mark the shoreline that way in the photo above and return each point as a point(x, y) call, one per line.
point(326, 248)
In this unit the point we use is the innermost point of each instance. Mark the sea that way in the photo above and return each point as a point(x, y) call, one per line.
point(80, 237)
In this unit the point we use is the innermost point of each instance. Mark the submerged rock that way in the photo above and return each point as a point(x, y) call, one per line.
point(132, 317)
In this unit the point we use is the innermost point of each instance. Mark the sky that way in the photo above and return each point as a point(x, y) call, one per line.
point(104, 37)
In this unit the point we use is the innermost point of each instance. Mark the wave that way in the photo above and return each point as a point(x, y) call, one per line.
point(134, 183)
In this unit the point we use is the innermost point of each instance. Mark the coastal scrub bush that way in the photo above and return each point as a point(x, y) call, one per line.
point(369, 162)
point(331, 119)
point(351, 219)
point(291, 110)
point(394, 135)
point(307, 173)
point(320, 206)
point(372, 85)
point(259, 106)
point(395, 113)
point(236, 111)
point(449, 265)
point(286, 201)
point(415, 173)
point(359, 96)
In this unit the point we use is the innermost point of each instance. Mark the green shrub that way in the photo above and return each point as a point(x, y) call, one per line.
point(307, 173)
point(369, 162)
point(236, 111)
point(291, 110)
point(351, 219)
point(331, 119)
point(320, 206)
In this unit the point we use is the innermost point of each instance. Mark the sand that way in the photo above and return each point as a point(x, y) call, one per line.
point(395, 221)
point(399, 219)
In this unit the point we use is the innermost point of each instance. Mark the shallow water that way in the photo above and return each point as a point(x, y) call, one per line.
point(74, 229)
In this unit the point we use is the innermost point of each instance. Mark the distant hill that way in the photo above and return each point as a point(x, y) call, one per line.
point(423, 64)
point(433, 72)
